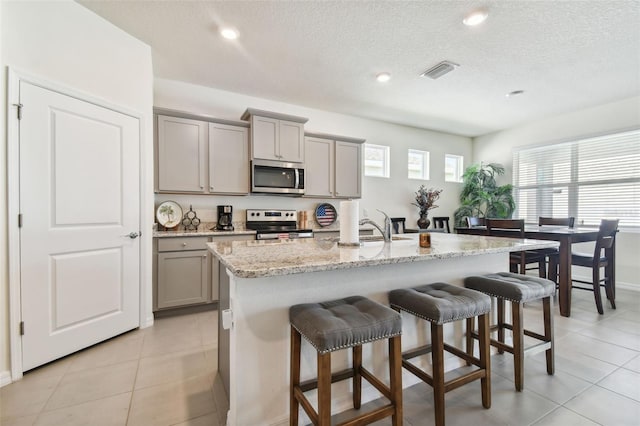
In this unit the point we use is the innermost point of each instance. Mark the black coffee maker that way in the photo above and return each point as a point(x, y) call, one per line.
point(225, 218)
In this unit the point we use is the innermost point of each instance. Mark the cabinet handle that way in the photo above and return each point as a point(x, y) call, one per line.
point(201, 186)
point(211, 188)
point(184, 244)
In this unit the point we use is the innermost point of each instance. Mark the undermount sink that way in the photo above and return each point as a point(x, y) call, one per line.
point(367, 238)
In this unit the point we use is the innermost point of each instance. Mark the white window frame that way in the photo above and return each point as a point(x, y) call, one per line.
point(459, 159)
point(563, 185)
point(424, 167)
point(372, 170)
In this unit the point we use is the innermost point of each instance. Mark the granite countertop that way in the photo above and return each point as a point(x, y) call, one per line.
point(256, 259)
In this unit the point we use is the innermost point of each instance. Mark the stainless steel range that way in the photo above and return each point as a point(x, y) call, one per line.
point(276, 224)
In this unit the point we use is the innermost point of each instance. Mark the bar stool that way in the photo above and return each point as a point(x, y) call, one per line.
point(440, 303)
point(518, 289)
point(341, 324)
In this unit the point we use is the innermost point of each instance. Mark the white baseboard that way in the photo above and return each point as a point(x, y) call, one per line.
point(628, 286)
point(5, 378)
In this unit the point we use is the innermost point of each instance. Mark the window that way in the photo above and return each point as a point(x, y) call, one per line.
point(418, 164)
point(376, 160)
point(589, 179)
point(453, 168)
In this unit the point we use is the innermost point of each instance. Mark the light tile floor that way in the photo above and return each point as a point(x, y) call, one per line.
point(163, 375)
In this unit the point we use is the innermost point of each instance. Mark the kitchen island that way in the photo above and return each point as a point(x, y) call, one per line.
point(260, 280)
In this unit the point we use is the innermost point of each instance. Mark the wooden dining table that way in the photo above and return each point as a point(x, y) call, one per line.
point(566, 237)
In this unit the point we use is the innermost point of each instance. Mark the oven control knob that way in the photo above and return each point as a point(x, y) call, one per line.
point(258, 214)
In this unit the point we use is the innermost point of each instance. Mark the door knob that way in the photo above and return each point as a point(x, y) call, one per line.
point(133, 235)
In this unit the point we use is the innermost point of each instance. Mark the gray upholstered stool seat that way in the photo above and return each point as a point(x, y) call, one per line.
point(340, 324)
point(440, 303)
point(517, 289)
point(512, 287)
point(344, 323)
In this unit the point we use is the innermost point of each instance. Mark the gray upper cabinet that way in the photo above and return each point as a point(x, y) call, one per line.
point(348, 170)
point(228, 159)
point(319, 169)
point(333, 166)
point(201, 156)
point(275, 136)
point(181, 154)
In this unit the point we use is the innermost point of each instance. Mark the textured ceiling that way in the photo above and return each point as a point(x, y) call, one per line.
point(565, 55)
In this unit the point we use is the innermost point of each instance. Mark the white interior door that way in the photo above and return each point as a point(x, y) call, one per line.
point(79, 200)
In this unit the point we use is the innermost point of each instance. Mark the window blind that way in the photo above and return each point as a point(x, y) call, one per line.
point(590, 179)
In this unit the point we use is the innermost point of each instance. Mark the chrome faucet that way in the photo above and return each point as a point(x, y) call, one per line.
point(386, 232)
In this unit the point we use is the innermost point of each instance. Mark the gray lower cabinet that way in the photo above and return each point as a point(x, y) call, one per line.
point(183, 272)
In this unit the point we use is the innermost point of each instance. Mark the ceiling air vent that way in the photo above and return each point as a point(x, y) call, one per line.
point(439, 70)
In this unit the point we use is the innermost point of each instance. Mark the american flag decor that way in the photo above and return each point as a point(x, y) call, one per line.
point(325, 214)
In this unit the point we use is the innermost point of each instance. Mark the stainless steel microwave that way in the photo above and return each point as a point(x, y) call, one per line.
point(277, 177)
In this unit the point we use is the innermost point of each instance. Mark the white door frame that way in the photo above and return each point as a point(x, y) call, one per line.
point(13, 207)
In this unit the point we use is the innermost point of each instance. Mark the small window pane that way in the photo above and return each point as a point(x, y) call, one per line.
point(418, 164)
point(453, 168)
point(376, 160)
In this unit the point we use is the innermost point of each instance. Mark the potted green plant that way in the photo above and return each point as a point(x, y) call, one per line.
point(481, 196)
point(425, 199)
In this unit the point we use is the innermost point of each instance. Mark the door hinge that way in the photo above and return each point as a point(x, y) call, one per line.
point(22, 328)
point(19, 107)
point(19, 220)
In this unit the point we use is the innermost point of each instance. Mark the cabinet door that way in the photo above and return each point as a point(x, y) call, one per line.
point(182, 145)
point(318, 167)
point(228, 159)
point(348, 167)
point(291, 141)
point(183, 278)
point(264, 138)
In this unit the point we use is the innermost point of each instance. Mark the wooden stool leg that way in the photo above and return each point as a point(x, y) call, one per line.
point(437, 359)
point(469, 336)
point(547, 308)
point(357, 377)
point(295, 376)
point(500, 303)
point(324, 389)
point(485, 359)
point(518, 344)
point(395, 374)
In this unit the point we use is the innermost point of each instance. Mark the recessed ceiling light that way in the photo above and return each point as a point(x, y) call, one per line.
point(475, 18)
point(515, 93)
point(229, 33)
point(383, 77)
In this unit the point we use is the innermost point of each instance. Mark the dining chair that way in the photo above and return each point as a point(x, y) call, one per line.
point(606, 240)
point(509, 228)
point(551, 253)
point(396, 222)
point(441, 222)
point(475, 221)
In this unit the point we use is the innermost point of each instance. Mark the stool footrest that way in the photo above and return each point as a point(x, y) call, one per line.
point(448, 385)
point(382, 388)
point(306, 405)
point(463, 380)
point(426, 349)
point(335, 377)
point(370, 417)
